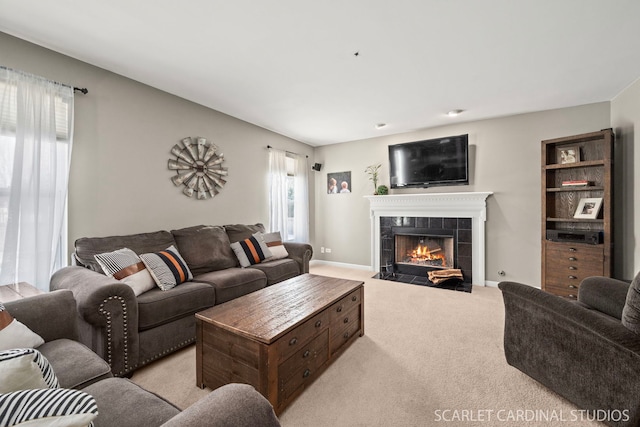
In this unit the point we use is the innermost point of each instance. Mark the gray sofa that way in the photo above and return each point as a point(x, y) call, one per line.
point(585, 350)
point(122, 403)
point(130, 332)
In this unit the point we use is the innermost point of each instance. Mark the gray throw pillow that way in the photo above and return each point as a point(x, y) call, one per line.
point(205, 248)
point(631, 310)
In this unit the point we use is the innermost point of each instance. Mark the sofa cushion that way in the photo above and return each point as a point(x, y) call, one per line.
point(278, 270)
point(24, 368)
point(205, 248)
point(237, 232)
point(87, 247)
point(233, 282)
point(631, 310)
point(75, 365)
point(126, 266)
point(123, 403)
point(251, 251)
point(158, 307)
point(57, 407)
point(167, 268)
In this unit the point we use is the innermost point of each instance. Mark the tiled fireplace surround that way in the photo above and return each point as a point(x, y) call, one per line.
point(433, 211)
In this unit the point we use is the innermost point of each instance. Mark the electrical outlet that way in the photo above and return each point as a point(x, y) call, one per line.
point(321, 249)
point(327, 250)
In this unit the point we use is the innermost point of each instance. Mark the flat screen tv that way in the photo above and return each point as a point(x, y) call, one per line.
point(440, 161)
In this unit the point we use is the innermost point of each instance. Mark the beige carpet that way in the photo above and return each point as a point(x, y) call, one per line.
point(429, 357)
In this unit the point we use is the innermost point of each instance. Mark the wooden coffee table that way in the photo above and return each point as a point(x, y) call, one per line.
point(280, 338)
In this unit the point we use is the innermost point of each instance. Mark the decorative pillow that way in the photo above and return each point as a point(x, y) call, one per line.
point(274, 243)
point(59, 407)
point(125, 265)
point(13, 334)
point(238, 232)
point(252, 250)
point(205, 248)
point(24, 368)
point(631, 310)
point(167, 268)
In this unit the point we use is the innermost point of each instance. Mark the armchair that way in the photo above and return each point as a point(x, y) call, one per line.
point(579, 349)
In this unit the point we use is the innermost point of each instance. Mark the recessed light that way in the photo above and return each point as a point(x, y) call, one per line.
point(454, 113)
point(381, 125)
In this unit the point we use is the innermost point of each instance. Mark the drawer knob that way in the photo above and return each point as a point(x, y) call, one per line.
point(572, 296)
point(306, 373)
point(354, 298)
point(572, 259)
point(346, 320)
point(306, 354)
point(572, 277)
point(346, 335)
point(572, 249)
point(572, 268)
point(318, 323)
point(572, 286)
point(339, 309)
point(293, 341)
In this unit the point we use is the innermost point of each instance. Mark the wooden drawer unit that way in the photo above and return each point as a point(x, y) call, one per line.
point(295, 330)
point(567, 264)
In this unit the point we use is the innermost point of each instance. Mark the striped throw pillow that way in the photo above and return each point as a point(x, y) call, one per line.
point(125, 265)
point(167, 268)
point(58, 407)
point(24, 368)
point(274, 243)
point(252, 250)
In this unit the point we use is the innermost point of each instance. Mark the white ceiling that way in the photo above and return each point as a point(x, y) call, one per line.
point(290, 65)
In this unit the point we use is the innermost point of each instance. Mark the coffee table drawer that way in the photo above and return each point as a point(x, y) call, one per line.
point(343, 328)
point(292, 341)
point(338, 309)
point(302, 366)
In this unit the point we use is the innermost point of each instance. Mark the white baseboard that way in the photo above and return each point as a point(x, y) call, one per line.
point(340, 264)
point(491, 283)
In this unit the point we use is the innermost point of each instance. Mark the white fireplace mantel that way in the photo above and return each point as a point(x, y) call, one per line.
point(449, 205)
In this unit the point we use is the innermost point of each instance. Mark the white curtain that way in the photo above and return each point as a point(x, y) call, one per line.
point(301, 199)
point(278, 204)
point(36, 127)
point(289, 195)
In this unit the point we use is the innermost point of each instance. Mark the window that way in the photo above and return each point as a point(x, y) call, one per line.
point(36, 122)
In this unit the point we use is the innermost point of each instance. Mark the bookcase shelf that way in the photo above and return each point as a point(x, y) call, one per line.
point(565, 260)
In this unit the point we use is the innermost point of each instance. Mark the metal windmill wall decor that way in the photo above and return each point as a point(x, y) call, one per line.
point(199, 168)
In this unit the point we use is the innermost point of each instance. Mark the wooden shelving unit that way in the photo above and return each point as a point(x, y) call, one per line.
point(566, 261)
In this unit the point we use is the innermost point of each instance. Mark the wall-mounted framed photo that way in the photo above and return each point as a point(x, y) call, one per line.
point(588, 208)
point(566, 155)
point(339, 182)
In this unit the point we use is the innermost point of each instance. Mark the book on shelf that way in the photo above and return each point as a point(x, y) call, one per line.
point(576, 183)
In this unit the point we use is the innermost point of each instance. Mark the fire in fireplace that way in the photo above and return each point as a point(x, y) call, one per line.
point(424, 250)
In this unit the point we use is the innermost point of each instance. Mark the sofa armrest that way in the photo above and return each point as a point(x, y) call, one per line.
point(604, 294)
point(52, 315)
point(572, 350)
point(108, 312)
point(238, 405)
point(300, 253)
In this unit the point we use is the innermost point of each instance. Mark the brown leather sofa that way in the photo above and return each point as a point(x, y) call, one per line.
point(128, 331)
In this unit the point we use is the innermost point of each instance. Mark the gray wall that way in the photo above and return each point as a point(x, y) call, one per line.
point(124, 131)
point(625, 116)
point(505, 158)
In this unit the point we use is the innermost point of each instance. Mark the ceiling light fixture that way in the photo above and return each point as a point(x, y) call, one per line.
point(454, 113)
point(381, 125)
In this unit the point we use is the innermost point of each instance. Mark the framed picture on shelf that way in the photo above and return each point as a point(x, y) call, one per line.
point(566, 155)
point(588, 208)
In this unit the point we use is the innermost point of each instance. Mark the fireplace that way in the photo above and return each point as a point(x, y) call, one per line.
point(424, 250)
point(465, 213)
point(416, 245)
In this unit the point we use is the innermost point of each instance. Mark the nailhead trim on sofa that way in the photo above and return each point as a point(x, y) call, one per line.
point(107, 314)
